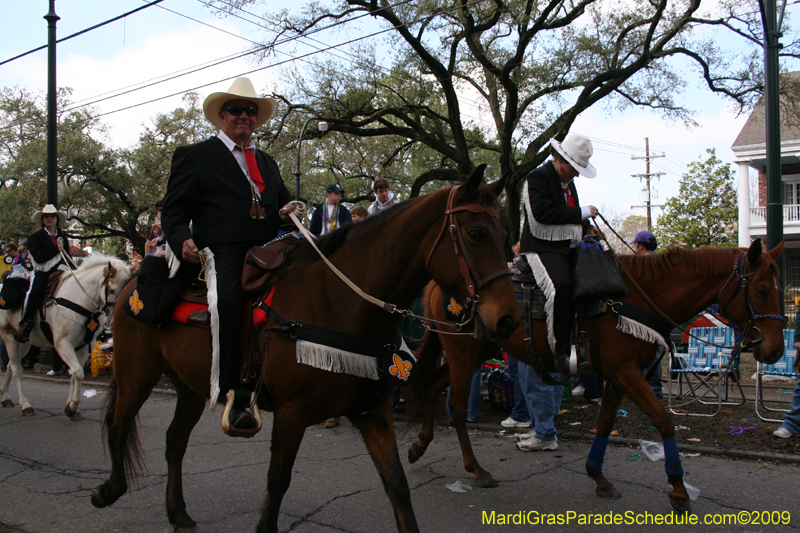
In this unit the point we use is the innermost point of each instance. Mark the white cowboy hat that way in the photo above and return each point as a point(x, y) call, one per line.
point(242, 89)
point(576, 151)
point(49, 209)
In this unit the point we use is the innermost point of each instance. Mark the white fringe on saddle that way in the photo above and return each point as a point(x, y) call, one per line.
point(640, 331)
point(549, 232)
point(340, 361)
point(173, 261)
point(211, 284)
point(546, 284)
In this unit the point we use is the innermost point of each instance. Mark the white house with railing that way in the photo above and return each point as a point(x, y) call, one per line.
point(750, 155)
point(749, 150)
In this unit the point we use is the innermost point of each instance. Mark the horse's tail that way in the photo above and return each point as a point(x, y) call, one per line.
point(428, 356)
point(123, 442)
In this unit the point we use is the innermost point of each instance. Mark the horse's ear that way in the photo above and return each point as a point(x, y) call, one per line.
point(497, 187)
point(754, 253)
point(775, 253)
point(109, 271)
point(474, 181)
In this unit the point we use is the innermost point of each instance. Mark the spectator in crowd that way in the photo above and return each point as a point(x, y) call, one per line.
point(543, 402)
point(157, 243)
point(383, 196)
point(23, 256)
point(791, 420)
point(358, 213)
point(330, 214)
point(645, 244)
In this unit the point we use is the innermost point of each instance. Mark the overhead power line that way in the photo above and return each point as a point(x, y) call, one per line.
point(84, 31)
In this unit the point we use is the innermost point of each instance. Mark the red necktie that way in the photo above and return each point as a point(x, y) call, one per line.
point(252, 167)
point(570, 198)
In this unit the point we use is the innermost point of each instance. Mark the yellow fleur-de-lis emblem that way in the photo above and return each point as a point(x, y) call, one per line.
point(400, 369)
point(454, 307)
point(92, 325)
point(135, 303)
point(2, 301)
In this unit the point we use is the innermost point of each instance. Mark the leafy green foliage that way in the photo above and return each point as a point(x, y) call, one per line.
point(705, 211)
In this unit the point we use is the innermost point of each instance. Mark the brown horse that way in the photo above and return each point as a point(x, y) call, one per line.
point(391, 256)
point(680, 282)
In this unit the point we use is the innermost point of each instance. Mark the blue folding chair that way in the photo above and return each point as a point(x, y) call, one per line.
point(783, 367)
point(698, 368)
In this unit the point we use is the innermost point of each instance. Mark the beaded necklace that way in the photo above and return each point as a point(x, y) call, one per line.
point(334, 219)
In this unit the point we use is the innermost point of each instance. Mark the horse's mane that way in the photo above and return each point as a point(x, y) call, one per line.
point(706, 260)
point(95, 260)
point(304, 253)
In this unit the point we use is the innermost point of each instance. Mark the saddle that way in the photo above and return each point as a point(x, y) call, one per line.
point(12, 295)
point(531, 300)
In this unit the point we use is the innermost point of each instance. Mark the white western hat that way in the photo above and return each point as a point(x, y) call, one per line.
point(576, 151)
point(49, 209)
point(242, 89)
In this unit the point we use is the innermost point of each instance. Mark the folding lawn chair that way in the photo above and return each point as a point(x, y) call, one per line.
point(783, 367)
point(705, 370)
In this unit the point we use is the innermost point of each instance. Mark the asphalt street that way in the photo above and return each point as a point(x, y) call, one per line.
point(49, 466)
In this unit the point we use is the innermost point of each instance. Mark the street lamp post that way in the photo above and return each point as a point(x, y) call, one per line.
point(323, 126)
point(52, 108)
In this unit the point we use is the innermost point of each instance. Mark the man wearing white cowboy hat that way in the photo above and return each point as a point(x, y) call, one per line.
point(234, 197)
point(553, 225)
point(45, 248)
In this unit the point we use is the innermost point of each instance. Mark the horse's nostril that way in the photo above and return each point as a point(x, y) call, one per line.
point(506, 326)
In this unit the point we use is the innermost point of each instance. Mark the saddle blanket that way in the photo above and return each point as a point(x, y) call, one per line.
point(196, 313)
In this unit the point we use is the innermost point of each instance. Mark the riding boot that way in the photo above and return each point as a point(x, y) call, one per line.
point(562, 362)
point(237, 421)
point(23, 331)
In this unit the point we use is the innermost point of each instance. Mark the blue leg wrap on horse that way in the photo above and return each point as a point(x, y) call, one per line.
point(672, 458)
point(594, 463)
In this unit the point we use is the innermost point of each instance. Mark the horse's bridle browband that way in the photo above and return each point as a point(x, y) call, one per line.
point(740, 272)
point(465, 263)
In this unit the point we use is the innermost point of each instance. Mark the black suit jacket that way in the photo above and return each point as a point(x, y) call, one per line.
point(549, 207)
point(42, 249)
point(208, 189)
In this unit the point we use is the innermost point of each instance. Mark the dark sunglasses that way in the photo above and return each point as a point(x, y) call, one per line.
point(237, 110)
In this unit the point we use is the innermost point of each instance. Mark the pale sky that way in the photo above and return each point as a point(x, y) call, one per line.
point(154, 43)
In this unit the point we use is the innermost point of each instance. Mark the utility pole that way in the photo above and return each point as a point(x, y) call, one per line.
point(647, 157)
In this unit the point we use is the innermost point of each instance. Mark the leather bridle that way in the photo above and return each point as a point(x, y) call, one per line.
point(466, 265)
point(740, 272)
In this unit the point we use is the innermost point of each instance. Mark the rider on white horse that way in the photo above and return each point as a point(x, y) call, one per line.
point(45, 247)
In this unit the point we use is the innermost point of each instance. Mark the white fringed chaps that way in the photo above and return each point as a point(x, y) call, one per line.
point(213, 298)
point(546, 284)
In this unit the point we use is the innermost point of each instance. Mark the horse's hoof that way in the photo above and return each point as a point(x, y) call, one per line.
point(103, 496)
point(413, 454)
point(184, 523)
point(8, 403)
point(28, 411)
point(608, 493)
point(680, 505)
point(486, 482)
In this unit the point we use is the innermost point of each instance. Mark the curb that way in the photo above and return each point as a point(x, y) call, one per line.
point(622, 441)
point(566, 435)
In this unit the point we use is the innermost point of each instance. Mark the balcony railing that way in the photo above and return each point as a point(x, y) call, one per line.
point(791, 214)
